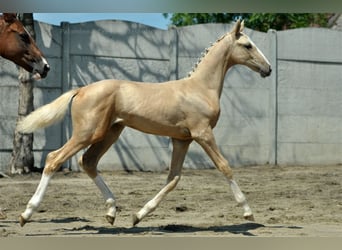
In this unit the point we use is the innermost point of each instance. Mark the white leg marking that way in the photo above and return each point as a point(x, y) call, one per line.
point(240, 198)
point(37, 197)
point(153, 204)
point(107, 194)
point(148, 208)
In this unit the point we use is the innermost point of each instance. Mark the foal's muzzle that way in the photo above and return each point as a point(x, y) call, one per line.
point(265, 72)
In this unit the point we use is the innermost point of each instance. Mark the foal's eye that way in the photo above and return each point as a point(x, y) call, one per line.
point(248, 46)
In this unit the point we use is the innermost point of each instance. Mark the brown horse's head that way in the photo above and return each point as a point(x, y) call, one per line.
point(17, 45)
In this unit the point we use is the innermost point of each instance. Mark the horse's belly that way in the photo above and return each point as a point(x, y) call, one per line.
point(158, 128)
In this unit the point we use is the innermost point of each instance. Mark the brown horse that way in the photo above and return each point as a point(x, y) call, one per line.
point(186, 110)
point(17, 45)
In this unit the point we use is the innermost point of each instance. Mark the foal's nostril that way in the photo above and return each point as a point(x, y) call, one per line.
point(46, 67)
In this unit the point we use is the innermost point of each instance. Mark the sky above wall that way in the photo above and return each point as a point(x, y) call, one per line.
point(152, 19)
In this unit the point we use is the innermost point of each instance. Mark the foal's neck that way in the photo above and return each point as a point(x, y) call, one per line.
point(212, 69)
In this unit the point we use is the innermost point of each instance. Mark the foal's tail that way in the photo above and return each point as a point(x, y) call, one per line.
point(47, 114)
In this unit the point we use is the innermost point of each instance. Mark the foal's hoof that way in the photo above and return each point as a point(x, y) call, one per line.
point(110, 219)
point(249, 217)
point(136, 220)
point(22, 221)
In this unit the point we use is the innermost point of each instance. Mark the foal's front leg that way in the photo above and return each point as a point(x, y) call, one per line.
point(207, 141)
point(178, 154)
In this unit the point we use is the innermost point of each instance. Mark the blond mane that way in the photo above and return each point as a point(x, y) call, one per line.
point(203, 54)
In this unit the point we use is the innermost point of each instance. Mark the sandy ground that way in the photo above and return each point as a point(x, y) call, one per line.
point(286, 201)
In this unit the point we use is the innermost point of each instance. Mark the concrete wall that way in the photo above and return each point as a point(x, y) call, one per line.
point(292, 117)
point(309, 97)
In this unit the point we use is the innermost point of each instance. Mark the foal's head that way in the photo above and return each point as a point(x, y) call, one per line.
point(245, 52)
point(17, 45)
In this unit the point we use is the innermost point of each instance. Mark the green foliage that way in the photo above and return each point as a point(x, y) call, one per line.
point(256, 21)
point(264, 22)
point(184, 19)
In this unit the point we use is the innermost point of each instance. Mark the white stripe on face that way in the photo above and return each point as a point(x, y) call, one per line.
point(44, 61)
point(262, 54)
point(40, 66)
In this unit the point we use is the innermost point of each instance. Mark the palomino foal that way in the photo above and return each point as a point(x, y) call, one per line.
point(17, 45)
point(186, 110)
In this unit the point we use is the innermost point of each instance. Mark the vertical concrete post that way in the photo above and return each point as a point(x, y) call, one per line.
point(273, 92)
point(173, 53)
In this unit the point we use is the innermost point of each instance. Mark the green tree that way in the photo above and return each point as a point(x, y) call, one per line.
point(256, 21)
point(184, 19)
point(283, 21)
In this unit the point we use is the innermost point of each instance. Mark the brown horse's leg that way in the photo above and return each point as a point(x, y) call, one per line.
point(89, 162)
point(180, 149)
point(53, 162)
point(207, 141)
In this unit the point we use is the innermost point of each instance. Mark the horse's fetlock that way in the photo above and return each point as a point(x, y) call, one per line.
point(110, 202)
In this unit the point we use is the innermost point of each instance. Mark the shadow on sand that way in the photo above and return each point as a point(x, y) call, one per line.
point(243, 229)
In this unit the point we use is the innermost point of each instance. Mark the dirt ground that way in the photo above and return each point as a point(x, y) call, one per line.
point(286, 201)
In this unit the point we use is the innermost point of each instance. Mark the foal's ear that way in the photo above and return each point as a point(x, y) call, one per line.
point(10, 17)
point(238, 28)
point(242, 25)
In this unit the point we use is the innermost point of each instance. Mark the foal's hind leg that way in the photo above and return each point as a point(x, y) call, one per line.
point(53, 162)
point(207, 141)
point(178, 154)
point(89, 162)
